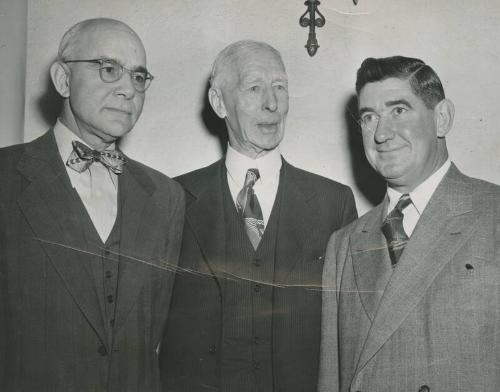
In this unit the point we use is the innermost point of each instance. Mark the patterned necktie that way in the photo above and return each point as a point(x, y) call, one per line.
point(394, 231)
point(82, 157)
point(248, 207)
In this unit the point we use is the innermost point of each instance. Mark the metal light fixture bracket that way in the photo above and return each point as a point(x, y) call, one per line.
point(312, 22)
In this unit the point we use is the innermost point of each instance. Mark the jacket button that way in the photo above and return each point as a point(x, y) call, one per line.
point(212, 349)
point(424, 388)
point(102, 350)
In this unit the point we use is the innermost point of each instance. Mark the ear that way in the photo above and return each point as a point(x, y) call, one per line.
point(217, 102)
point(444, 113)
point(60, 78)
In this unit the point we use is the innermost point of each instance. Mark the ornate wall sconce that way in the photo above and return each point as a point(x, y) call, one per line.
point(312, 22)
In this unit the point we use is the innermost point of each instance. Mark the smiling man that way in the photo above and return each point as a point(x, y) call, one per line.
point(245, 313)
point(87, 235)
point(412, 288)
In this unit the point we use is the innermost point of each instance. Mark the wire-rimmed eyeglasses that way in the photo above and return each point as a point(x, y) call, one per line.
point(110, 71)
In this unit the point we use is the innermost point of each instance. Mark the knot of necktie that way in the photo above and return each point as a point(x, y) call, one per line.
point(82, 157)
point(248, 207)
point(252, 176)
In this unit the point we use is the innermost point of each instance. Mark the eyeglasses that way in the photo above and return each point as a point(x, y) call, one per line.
point(110, 71)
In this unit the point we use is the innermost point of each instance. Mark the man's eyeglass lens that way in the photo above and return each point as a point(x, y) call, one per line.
point(111, 71)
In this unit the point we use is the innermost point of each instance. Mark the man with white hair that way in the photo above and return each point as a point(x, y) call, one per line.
point(245, 312)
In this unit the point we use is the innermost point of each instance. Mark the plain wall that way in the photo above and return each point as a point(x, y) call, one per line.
point(178, 132)
point(13, 32)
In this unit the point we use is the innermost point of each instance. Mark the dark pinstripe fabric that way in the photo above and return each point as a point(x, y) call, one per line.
point(311, 208)
point(55, 334)
point(435, 320)
point(246, 348)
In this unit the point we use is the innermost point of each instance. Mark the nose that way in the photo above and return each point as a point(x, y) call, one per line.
point(125, 87)
point(384, 130)
point(270, 102)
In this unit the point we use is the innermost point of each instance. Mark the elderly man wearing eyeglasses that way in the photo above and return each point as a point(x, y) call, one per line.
point(88, 237)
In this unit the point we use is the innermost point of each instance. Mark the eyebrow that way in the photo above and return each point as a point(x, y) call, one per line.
point(364, 110)
point(138, 68)
point(258, 78)
point(396, 102)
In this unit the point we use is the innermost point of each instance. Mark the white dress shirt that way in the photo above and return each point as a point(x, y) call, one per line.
point(97, 186)
point(266, 187)
point(420, 197)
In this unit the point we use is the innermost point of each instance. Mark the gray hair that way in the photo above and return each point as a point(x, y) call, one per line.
point(229, 55)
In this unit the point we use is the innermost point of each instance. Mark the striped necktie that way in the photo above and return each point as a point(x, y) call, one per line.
point(249, 209)
point(394, 231)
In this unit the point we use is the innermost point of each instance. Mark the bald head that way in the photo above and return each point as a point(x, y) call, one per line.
point(82, 33)
point(233, 55)
point(97, 107)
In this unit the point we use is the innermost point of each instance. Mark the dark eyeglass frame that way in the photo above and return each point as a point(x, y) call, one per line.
point(102, 66)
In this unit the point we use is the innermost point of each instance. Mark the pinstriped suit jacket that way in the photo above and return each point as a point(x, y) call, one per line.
point(312, 207)
point(432, 324)
point(53, 336)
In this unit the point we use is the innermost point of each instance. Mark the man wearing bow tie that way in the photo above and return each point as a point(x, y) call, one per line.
point(88, 237)
point(412, 288)
point(245, 312)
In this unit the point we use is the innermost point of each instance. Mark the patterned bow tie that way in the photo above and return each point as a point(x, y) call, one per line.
point(82, 157)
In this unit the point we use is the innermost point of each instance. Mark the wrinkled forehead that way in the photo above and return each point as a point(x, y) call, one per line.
point(256, 62)
point(110, 40)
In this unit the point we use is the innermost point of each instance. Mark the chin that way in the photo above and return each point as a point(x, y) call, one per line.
point(117, 130)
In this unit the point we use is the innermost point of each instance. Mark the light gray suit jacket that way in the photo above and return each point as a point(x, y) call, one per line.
point(432, 324)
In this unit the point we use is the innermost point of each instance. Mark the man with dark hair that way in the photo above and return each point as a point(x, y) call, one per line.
point(246, 308)
point(423, 80)
point(412, 288)
point(88, 237)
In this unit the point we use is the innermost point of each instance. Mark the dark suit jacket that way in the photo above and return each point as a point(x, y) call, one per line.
point(312, 207)
point(434, 323)
point(52, 333)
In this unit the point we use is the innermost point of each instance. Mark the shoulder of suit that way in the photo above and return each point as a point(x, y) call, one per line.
point(162, 182)
point(200, 178)
point(483, 186)
point(11, 155)
point(486, 197)
point(481, 189)
point(315, 181)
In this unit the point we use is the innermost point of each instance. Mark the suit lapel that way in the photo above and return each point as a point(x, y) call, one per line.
point(297, 223)
point(205, 216)
point(445, 225)
point(138, 225)
point(372, 266)
point(51, 208)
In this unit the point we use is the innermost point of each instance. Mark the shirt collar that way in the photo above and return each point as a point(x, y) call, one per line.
point(237, 164)
point(64, 136)
point(421, 195)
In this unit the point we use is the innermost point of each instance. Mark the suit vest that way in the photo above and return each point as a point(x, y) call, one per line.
point(104, 262)
point(247, 302)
